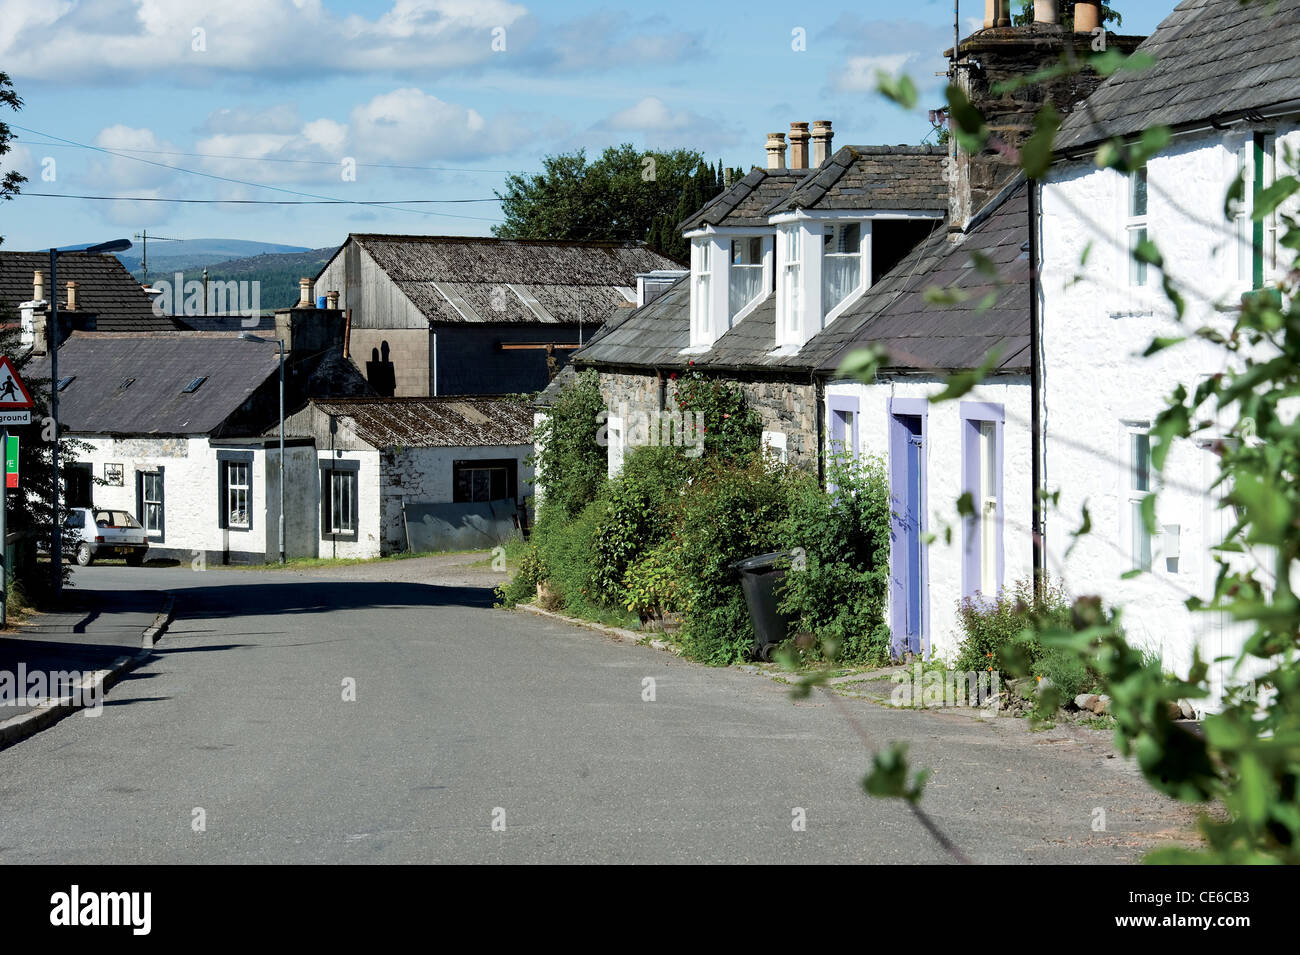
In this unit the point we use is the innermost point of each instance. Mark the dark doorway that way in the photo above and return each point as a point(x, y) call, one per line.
point(76, 485)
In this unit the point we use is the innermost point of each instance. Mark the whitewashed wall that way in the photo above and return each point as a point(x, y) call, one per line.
point(943, 473)
point(191, 495)
point(1095, 380)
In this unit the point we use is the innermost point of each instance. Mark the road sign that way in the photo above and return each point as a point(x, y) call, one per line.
point(14, 395)
point(11, 462)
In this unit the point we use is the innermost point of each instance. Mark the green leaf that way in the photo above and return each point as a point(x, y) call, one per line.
point(934, 295)
point(1114, 60)
point(960, 383)
point(968, 127)
point(862, 364)
point(966, 505)
point(1036, 154)
point(1272, 197)
point(1149, 513)
point(900, 89)
point(1160, 344)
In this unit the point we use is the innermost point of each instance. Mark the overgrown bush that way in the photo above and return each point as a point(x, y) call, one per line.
point(523, 586)
point(993, 626)
point(732, 430)
point(729, 512)
point(642, 506)
point(1068, 672)
point(653, 584)
point(838, 583)
point(570, 464)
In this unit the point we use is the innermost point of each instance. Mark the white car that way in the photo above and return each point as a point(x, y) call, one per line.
point(93, 532)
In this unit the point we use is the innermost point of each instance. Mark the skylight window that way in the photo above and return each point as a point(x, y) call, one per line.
point(64, 382)
point(193, 386)
point(126, 383)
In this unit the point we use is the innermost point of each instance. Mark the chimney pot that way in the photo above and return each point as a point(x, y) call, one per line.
point(331, 299)
point(1087, 16)
point(304, 293)
point(38, 286)
point(776, 150)
point(799, 145)
point(1045, 11)
point(72, 296)
point(996, 14)
point(822, 134)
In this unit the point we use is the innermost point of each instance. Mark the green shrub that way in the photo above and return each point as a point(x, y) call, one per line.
point(523, 586)
point(729, 512)
point(643, 505)
point(732, 430)
point(1069, 673)
point(570, 462)
point(566, 552)
point(993, 628)
point(653, 586)
point(838, 584)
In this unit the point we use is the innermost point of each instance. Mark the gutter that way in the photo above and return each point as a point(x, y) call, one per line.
point(1035, 396)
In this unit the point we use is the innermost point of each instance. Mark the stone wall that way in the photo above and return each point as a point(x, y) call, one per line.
point(786, 407)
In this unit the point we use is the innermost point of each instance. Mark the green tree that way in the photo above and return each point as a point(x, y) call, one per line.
point(11, 180)
point(626, 194)
point(1026, 15)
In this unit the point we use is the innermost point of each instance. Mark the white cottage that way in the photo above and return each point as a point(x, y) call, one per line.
point(1227, 83)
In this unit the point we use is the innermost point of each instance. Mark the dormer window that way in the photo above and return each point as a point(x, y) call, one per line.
point(701, 290)
point(841, 262)
point(791, 281)
point(745, 279)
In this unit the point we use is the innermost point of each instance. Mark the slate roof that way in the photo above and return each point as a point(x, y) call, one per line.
point(992, 315)
point(874, 177)
point(746, 202)
point(892, 313)
point(1213, 57)
point(162, 364)
point(451, 422)
point(466, 279)
point(547, 396)
point(104, 288)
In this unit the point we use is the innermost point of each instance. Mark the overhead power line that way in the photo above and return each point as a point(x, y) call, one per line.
point(246, 182)
point(279, 159)
point(257, 202)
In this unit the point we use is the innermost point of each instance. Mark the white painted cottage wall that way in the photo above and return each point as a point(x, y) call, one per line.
point(1094, 380)
point(943, 470)
point(369, 502)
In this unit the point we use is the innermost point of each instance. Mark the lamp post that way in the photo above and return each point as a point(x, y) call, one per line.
point(52, 331)
point(250, 337)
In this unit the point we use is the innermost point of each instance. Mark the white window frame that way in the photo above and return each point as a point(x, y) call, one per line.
point(145, 502)
point(833, 231)
point(1132, 530)
point(1136, 225)
point(790, 281)
point(774, 445)
point(701, 289)
point(988, 517)
point(347, 480)
point(230, 489)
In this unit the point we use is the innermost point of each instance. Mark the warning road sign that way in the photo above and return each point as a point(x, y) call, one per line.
point(14, 395)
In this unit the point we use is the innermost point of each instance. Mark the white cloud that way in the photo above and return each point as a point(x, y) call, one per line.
point(189, 40)
point(859, 73)
point(144, 38)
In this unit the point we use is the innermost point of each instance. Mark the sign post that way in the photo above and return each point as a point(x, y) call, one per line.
point(15, 409)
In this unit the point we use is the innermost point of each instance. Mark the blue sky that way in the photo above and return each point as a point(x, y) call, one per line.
point(283, 93)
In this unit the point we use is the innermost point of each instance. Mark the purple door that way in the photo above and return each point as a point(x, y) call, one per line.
point(907, 549)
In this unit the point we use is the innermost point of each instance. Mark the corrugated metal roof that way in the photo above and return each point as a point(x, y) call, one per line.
point(511, 281)
point(451, 422)
point(1213, 57)
point(104, 288)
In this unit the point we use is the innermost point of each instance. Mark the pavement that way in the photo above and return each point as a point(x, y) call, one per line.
point(336, 716)
point(97, 632)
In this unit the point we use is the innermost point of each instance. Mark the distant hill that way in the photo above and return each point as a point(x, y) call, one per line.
point(278, 272)
point(196, 253)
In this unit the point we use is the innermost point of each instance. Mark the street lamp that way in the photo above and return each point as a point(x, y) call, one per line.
point(52, 331)
point(250, 337)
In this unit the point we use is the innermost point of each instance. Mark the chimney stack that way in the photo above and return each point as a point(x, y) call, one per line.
point(821, 141)
point(1087, 16)
point(996, 14)
point(799, 145)
point(776, 150)
point(38, 286)
point(304, 293)
point(1045, 11)
point(72, 296)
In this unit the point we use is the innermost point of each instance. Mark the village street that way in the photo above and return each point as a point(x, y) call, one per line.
point(239, 727)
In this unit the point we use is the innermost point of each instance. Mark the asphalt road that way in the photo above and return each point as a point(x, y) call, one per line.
point(464, 715)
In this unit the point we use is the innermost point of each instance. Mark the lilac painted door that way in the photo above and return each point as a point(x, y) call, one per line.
point(907, 550)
